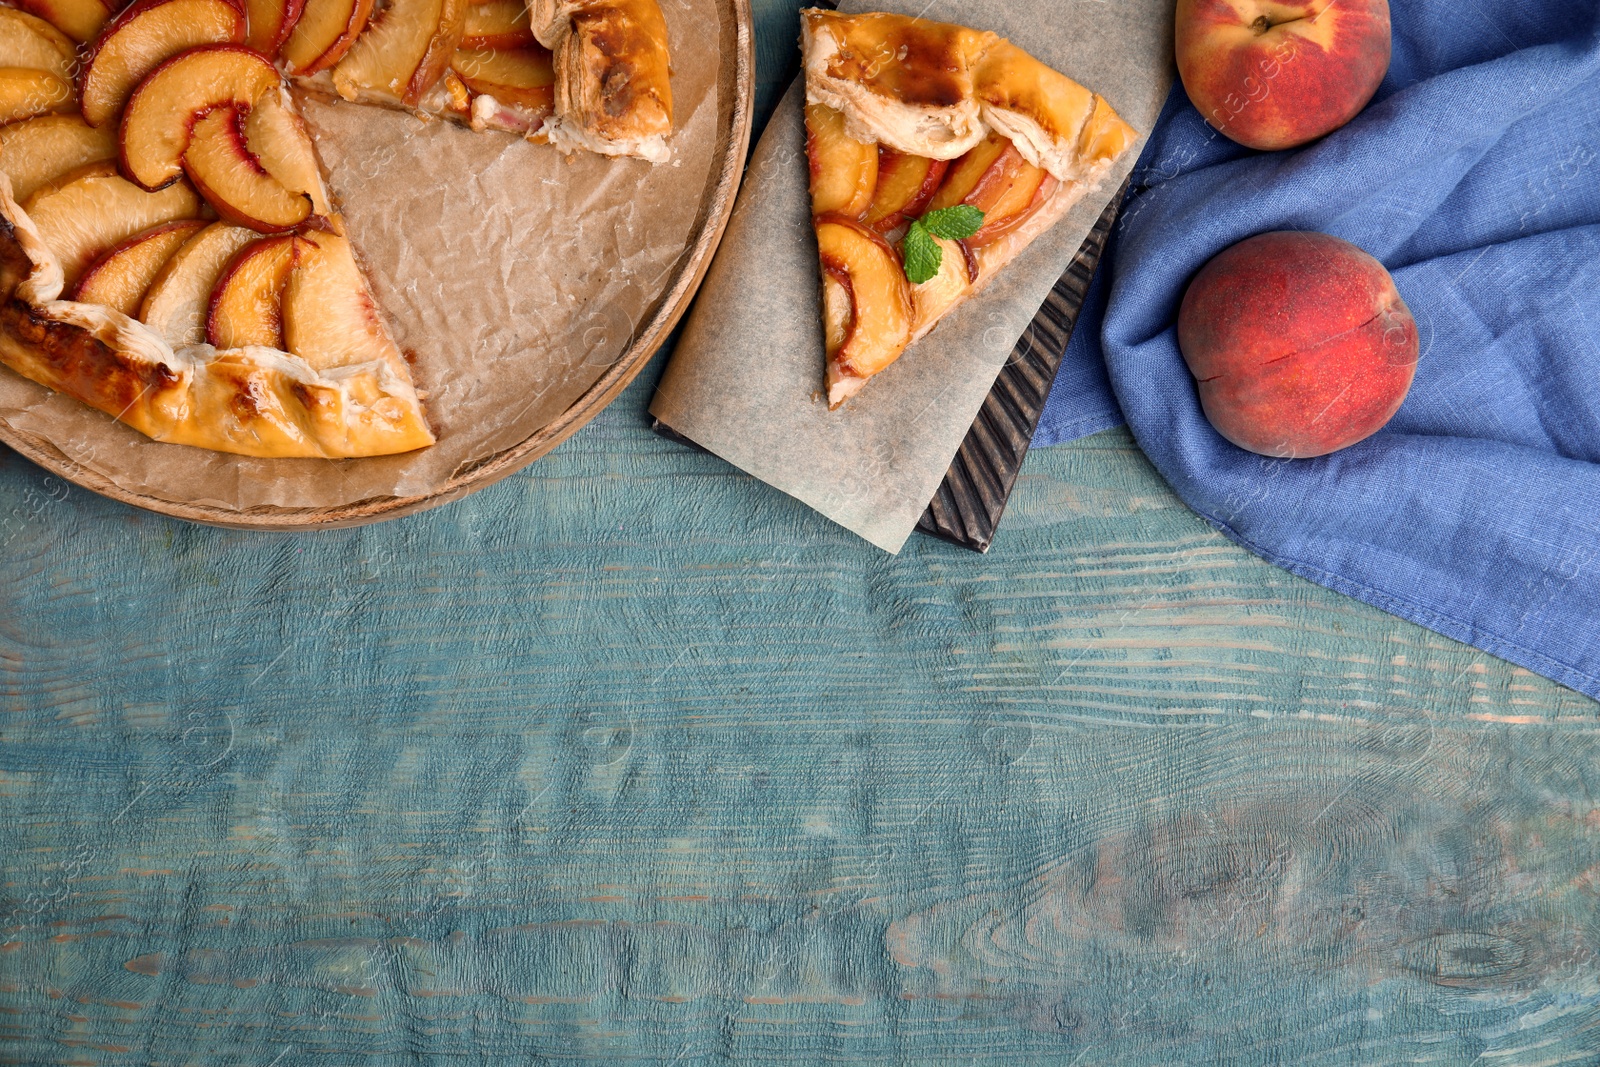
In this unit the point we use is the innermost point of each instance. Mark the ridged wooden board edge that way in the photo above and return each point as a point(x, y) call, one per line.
point(972, 498)
point(736, 83)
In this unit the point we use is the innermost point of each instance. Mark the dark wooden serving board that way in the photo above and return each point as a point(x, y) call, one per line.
point(967, 508)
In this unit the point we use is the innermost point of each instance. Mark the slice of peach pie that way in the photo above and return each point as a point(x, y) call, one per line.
point(938, 153)
point(168, 251)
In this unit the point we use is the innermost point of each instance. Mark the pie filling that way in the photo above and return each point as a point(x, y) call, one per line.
point(163, 198)
point(877, 192)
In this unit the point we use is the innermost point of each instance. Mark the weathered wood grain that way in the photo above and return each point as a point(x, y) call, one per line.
point(632, 759)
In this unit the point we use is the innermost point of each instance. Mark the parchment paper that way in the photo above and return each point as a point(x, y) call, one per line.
point(746, 379)
point(514, 275)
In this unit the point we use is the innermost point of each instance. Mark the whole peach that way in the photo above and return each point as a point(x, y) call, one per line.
point(1274, 74)
point(1300, 344)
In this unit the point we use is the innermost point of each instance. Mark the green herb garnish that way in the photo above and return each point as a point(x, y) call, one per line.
point(922, 253)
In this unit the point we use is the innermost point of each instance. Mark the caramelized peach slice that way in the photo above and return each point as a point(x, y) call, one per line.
point(403, 52)
point(31, 43)
point(269, 23)
point(40, 150)
point(324, 33)
point(997, 180)
point(844, 171)
point(966, 172)
point(280, 143)
point(329, 316)
point(233, 180)
point(163, 109)
point(497, 24)
point(1005, 218)
point(80, 20)
point(25, 93)
point(523, 77)
point(866, 301)
point(1007, 189)
point(120, 278)
point(86, 213)
point(906, 184)
point(141, 39)
point(247, 303)
point(180, 296)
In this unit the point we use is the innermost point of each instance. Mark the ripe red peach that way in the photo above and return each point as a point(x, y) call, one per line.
point(1274, 74)
point(1300, 343)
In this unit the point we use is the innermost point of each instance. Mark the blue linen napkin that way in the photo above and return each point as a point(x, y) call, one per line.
point(1474, 176)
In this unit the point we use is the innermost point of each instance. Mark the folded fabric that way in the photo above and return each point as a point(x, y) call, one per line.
point(1474, 176)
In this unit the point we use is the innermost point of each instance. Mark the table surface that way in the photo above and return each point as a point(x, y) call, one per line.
point(632, 759)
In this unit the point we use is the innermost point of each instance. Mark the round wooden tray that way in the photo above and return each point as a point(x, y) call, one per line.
point(735, 97)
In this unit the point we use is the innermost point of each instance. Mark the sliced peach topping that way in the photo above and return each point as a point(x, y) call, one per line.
point(867, 301)
point(144, 37)
point(269, 23)
point(906, 185)
point(997, 180)
point(120, 278)
point(163, 110)
point(329, 316)
point(844, 171)
point(522, 77)
point(179, 298)
point(25, 93)
point(80, 20)
point(38, 151)
point(247, 303)
point(403, 51)
point(86, 213)
point(31, 43)
point(497, 24)
point(230, 176)
point(323, 34)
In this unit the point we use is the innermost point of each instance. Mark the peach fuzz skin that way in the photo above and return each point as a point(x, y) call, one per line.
point(1273, 74)
point(1300, 344)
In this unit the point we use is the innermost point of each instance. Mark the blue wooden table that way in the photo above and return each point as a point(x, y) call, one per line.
point(631, 759)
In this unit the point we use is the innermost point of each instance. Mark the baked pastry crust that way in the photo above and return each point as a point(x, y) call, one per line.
point(939, 91)
point(248, 401)
point(613, 87)
point(906, 83)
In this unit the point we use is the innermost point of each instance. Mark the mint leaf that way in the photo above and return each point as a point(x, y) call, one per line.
point(953, 223)
point(922, 254)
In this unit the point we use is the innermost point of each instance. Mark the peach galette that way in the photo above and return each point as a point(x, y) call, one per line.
point(938, 153)
point(168, 251)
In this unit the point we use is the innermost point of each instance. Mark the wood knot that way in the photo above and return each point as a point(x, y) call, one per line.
point(1464, 959)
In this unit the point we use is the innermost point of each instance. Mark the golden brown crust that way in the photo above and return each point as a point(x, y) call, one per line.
point(613, 67)
point(1105, 136)
point(253, 401)
point(899, 81)
point(934, 90)
point(1039, 108)
point(912, 61)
